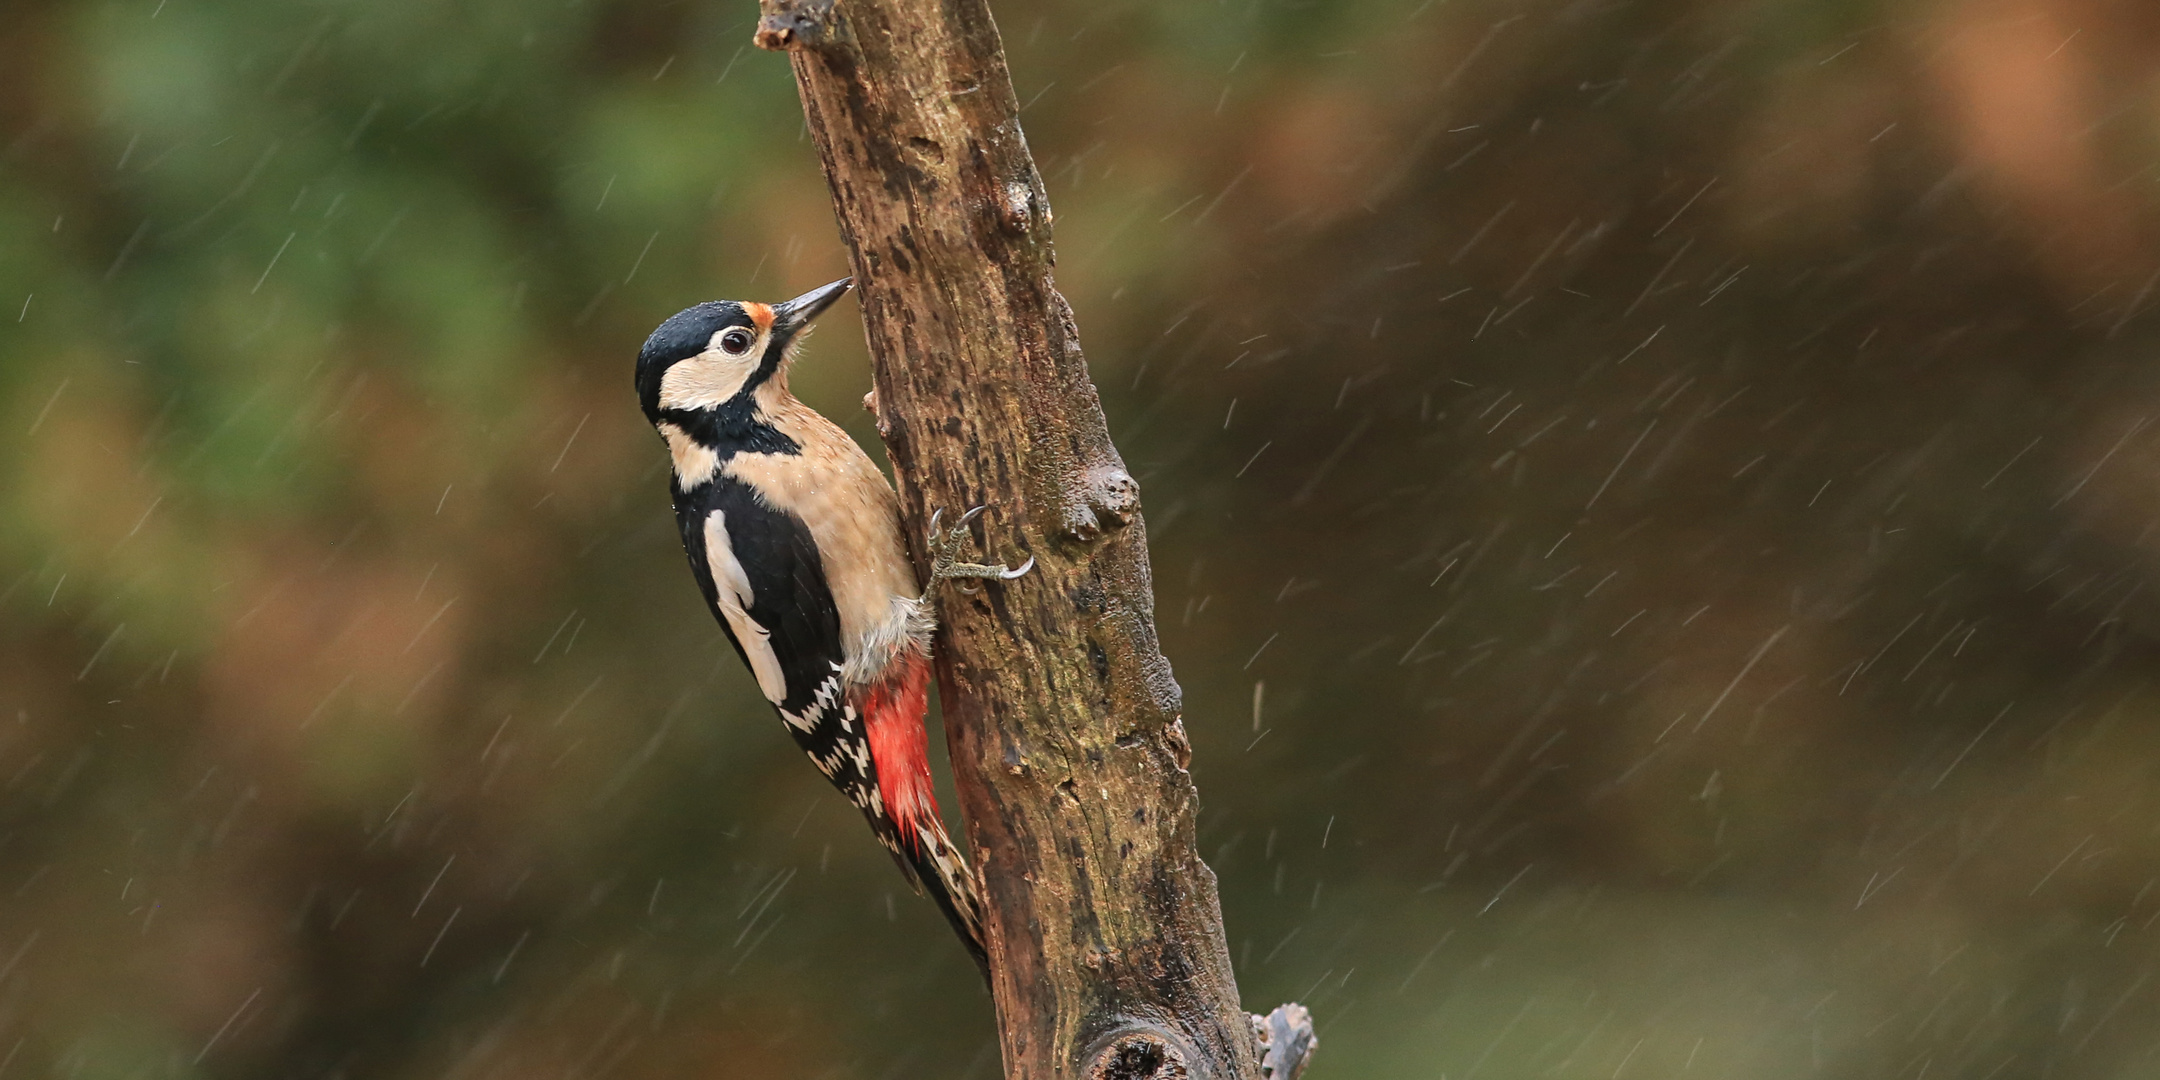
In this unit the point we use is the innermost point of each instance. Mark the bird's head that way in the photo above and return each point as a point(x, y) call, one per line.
point(717, 356)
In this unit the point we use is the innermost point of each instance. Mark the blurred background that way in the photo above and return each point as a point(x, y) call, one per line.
point(1652, 505)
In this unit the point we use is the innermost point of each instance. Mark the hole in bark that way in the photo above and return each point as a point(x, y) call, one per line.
point(928, 148)
point(1069, 790)
point(1139, 1056)
point(1100, 659)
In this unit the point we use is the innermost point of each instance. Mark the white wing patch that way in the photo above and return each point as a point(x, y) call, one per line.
point(731, 593)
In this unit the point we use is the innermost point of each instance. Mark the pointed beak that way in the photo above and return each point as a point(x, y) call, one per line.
point(795, 314)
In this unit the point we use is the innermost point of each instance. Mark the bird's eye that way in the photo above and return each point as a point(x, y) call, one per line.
point(736, 342)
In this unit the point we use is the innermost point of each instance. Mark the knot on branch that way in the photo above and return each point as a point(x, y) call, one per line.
point(794, 24)
point(1180, 746)
point(1140, 1054)
point(1019, 211)
point(1109, 499)
point(1286, 1041)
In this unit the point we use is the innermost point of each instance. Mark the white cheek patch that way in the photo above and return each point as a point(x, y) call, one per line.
point(707, 379)
point(731, 588)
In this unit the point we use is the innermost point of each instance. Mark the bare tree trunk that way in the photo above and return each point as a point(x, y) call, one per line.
point(1104, 933)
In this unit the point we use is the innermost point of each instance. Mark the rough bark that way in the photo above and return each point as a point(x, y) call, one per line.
point(1103, 928)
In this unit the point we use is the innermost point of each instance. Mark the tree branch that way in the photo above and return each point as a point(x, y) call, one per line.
point(1105, 937)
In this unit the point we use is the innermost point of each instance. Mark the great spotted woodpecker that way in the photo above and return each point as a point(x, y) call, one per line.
point(794, 538)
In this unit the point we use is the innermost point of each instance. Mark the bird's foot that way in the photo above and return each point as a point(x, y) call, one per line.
point(945, 564)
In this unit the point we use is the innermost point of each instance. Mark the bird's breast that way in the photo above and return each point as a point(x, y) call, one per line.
point(853, 517)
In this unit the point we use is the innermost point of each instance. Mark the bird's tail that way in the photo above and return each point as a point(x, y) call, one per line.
point(893, 718)
point(941, 871)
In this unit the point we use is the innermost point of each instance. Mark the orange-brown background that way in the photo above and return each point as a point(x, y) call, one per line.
point(1652, 504)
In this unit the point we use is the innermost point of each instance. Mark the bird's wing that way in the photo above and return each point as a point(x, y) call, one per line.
point(761, 573)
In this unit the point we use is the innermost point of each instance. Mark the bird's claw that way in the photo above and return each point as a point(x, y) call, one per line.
point(945, 564)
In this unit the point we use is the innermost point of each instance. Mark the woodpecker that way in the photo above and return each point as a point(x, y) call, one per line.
point(795, 540)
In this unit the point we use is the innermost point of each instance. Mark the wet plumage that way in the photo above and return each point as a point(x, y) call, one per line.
point(794, 538)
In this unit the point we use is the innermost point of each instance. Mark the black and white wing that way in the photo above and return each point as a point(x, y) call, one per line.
point(762, 577)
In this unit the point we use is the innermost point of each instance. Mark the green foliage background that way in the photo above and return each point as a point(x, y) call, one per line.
point(1651, 505)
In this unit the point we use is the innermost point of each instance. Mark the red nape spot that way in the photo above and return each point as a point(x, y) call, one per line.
point(893, 715)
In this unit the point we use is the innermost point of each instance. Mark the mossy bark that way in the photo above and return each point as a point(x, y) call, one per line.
point(1103, 928)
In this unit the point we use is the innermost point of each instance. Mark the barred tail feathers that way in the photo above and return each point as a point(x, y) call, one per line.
point(937, 865)
point(892, 709)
